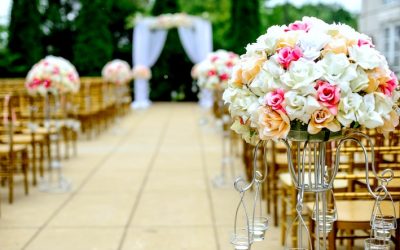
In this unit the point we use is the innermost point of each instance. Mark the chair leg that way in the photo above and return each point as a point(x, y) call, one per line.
point(332, 237)
point(34, 162)
point(11, 186)
point(41, 167)
point(25, 165)
point(283, 216)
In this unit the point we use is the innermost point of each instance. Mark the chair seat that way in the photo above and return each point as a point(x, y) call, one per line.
point(5, 148)
point(22, 138)
point(286, 179)
point(41, 131)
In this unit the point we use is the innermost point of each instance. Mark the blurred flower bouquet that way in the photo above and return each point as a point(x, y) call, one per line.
point(313, 77)
point(52, 74)
point(141, 72)
point(117, 71)
point(169, 21)
point(215, 71)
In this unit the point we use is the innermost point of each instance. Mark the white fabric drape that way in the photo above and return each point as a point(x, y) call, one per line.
point(197, 43)
point(196, 40)
point(147, 47)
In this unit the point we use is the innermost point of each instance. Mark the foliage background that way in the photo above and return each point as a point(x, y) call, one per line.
point(89, 33)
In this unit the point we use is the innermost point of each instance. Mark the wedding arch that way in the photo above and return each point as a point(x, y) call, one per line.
point(149, 37)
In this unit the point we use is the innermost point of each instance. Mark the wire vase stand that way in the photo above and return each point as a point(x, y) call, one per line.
point(313, 172)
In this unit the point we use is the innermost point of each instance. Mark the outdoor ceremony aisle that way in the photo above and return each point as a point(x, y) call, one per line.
point(144, 184)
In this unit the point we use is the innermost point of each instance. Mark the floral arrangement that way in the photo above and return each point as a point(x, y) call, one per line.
point(215, 71)
point(169, 21)
point(52, 74)
point(117, 71)
point(141, 72)
point(311, 76)
point(194, 73)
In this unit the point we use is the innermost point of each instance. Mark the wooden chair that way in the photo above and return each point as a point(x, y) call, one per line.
point(352, 218)
point(12, 155)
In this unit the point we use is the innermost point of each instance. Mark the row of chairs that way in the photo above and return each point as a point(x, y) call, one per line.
point(34, 127)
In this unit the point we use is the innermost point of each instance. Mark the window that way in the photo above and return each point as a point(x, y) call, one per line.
point(396, 56)
point(391, 46)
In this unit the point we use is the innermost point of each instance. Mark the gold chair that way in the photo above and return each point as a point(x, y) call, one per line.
point(12, 155)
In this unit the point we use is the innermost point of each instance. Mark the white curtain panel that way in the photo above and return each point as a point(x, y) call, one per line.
point(147, 46)
point(197, 43)
point(197, 39)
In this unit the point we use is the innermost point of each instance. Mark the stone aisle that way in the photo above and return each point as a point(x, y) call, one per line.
point(144, 184)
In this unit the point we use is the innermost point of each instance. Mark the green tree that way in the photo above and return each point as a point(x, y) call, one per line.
point(93, 45)
point(216, 12)
point(245, 24)
point(25, 37)
point(122, 37)
point(58, 21)
point(287, 13)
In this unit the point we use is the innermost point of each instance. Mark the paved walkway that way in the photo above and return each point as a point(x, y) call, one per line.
point(144, 184)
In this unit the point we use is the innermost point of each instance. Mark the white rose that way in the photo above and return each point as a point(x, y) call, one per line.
point(348, 108)
point(311, 43)
point(317, 25)
point(301, 75)
point(263, 83)
point(268, 40)
point(242, 102)
point(383, 104)
point(300, 107)
point(338, 70)
point(366, 114)
point(366, 57)
point(273, 67)
point(255, 48)
point(360, 82)
point(249, 135)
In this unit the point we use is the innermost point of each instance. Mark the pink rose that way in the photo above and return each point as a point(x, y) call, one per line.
point(47, 83)
point(214, 58)
point(224, 77)
point(298, 25)
point(328, 95)
point(390, 85)
point(212, 73)
point(275, 100)
point(287, 54)
point(362, 42)
point(229, 64)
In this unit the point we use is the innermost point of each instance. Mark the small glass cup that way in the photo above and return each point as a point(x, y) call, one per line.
point(376, 244)
point(330, 218)
point(382, 226)
point(241, 241)
point(260, 227)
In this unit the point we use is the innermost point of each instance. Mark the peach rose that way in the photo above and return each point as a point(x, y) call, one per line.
point(273, 124)
point(250, 68)
point(376, 77)
point(236, 79)
point(288, 39)
point(323, 119)
point(390, 85)
point(336, 46)
point(389, 124)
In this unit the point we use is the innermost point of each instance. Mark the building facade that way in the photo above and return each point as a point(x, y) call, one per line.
point(380, 19)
